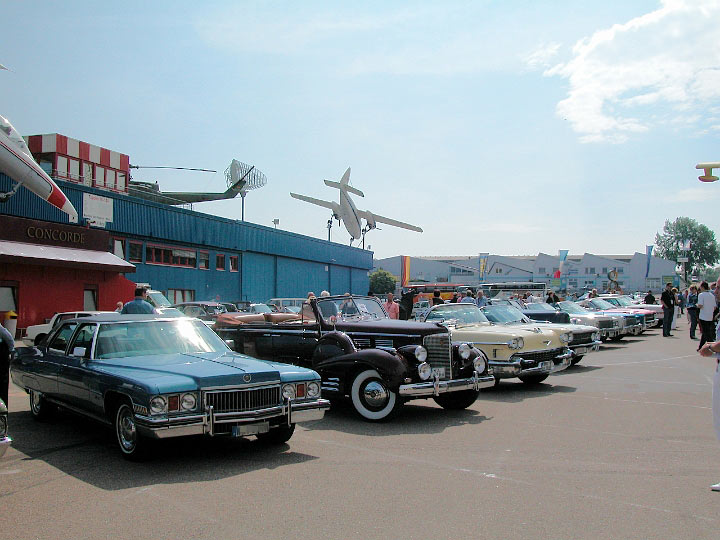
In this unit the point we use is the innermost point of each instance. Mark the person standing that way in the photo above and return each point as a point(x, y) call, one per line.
point(692, 310)
point(708, 350)
point(676, 309)
point(667, 299)
point(406, 303)
point(649, 298)
point(480, 301)
point(392, 308)
point(454, 299)
point(467, 297)
point(706, 304)
point(436, 298)
point(139, 305)
point(7, 345)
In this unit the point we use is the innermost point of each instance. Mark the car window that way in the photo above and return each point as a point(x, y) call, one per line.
point(84, 338)
point(59, 341)
point(63, 317)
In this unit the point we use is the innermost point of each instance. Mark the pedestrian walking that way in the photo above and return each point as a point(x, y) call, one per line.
point(706, 304)
point(667, 299)
point(692, 310)
point(392, 308)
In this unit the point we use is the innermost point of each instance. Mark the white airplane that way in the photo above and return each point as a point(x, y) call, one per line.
point(707, 168)
point(347, 212)
point(17, 162)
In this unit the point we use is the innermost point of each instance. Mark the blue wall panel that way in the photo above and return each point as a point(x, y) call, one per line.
point(360, 282)
point(296, 278)
point(339, 279)
point(259, 277)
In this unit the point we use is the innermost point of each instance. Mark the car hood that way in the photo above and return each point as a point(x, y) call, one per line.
point(182, 372)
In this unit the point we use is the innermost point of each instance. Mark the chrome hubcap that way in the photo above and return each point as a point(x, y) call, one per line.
point(375, 394)
point(126, 430)
point(35, 401)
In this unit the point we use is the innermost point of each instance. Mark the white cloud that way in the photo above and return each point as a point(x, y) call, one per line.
point(698, 194)
point(649, 71)
point(542, 56)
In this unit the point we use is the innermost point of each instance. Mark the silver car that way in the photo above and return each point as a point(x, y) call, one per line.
point(610, 326)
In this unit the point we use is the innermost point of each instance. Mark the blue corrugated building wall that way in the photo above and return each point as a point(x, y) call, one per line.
point(271, 263)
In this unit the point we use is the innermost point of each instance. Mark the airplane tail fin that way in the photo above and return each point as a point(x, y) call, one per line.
point(344, 184)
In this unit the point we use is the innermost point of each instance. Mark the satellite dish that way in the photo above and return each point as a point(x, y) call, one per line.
point(247, 176)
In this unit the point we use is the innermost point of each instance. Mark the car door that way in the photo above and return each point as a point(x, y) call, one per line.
point(53, 358)
point(74, 376)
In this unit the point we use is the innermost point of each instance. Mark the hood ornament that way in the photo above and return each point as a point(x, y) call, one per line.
point(247, 377)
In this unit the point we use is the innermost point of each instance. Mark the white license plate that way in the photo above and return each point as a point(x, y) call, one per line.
point(250, 429)
point(546, 365)
point(439, 371)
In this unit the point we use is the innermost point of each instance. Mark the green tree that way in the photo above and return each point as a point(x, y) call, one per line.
point(382, 282)
point(703, 250)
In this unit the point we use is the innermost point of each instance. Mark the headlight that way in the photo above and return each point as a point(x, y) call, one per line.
point(596, 336)
point(464, 351)
point(158, 405)
point(516, 343)
point(420, 353)
point(480, 364)
point(188, 402)
point(424, 371)
point(288, 391)
point(313, 389)
point(3, 426)
point(566, 337)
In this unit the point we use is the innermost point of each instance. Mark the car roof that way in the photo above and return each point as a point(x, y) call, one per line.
point(114, 317)
point(201, 303)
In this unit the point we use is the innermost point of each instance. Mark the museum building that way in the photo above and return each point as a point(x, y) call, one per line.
point(50, 265)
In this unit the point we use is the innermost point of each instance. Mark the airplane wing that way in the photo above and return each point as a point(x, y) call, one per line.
point(335, 207)
point(372, 219)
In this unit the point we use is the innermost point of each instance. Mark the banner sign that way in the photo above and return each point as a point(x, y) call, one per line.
point(648, 253)
point(404, 270)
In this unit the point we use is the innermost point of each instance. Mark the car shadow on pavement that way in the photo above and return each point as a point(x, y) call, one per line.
point(88, 451)
point(511, 391)
point(577, 368)
point(415, 417)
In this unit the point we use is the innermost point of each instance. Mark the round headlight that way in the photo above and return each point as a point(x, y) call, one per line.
point(158, 405)
point(566, 337)
point(464, 351)
point(188, 402)
point(288, 391)
point(420, 353)
point(480, 364)
point(520, 342)
point(424, 371)
point(313, 389)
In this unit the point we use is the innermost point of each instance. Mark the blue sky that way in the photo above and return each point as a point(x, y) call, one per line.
point(506, 127)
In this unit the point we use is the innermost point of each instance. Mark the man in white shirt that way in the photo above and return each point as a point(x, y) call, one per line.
point(713, 349)
point(706, 303)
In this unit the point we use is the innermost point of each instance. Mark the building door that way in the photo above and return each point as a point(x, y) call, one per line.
point(90, 298)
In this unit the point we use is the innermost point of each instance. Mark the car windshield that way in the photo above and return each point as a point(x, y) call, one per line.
point(504, 315)
point(572, 308)
point(539, 306)
point(158, 299)
point(127, 339)
point(599, 303)
point(261, 308)
point(462, 313)
point(351, 309)
point(613, 301)
point(625, 302)
point(215, 310)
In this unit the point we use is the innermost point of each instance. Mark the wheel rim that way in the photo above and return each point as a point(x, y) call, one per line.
point(375, 395)
point(125, 427)
point(35, 402)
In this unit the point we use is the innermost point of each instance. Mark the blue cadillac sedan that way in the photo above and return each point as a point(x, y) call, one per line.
point(153, 377)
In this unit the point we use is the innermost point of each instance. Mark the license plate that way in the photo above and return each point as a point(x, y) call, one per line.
point(243, 430)
point(546, 365)
point(439, 371)
point(581, 350)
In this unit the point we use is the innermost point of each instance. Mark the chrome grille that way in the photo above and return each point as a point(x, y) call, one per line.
point(649, 318)
point(579, 339)
point(243, 400)
point(439, 352)
point(362, 343)
point(539, 356)
point(366, 343)
point(606, 324)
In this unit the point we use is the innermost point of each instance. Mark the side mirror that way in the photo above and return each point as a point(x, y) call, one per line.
point(79, 352)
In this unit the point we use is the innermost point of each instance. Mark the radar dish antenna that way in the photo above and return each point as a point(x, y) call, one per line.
point(244, 176)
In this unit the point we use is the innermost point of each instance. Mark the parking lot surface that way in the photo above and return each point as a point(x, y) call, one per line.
point(619, 446)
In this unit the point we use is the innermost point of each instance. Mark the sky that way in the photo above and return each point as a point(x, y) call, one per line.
point(509, 127)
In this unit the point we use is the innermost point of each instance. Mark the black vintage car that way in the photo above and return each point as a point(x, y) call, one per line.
point(360, 353)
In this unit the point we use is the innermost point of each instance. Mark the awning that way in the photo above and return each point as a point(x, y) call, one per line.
point(22, 253)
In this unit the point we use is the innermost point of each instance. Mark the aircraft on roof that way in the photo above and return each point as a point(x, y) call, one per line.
point(707, 169)
point(17, 162)
point(346, 211)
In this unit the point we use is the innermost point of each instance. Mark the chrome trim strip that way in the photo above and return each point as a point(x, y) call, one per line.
point(436, 387)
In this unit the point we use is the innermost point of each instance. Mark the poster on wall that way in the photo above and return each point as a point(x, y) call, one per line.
point(97, 210)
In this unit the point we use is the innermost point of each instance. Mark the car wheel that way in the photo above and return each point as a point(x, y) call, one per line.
point(40, 409)
point(576, 359)
point(371, 397)
point(38, 339)
point(278, 435)
point(132, 445)
point(617, 338)
point(457, 401)
point(533, 379)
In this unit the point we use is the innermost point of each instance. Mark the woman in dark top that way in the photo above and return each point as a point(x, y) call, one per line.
point(692, 310)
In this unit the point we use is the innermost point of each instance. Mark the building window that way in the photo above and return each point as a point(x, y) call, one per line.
point(74, 172)
point(61, 169)
point(620, 270)
point(604, 270)
point(8, 297)
point(177, 296)
point(99, 176)
point(233, 263)
point(121, 181)
point(498, 270)
point(110, 178)
point(204, 260)
point(90, 298)
point(135, 252)
point(87, 173)
point(168, 256)
point(119, 247)
point(541, 270)
point(220, 262)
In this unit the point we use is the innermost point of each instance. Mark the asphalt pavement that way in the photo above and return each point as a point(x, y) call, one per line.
point(619, 446)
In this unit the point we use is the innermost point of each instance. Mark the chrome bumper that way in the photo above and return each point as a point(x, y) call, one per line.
point(204, 424)
point(506, 370)
point(5, 443)
point(585, 348)
point(610, 332)
point(437, 387)
point(634, 330)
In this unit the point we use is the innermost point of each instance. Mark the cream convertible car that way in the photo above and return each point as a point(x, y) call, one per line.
point(528, 352)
